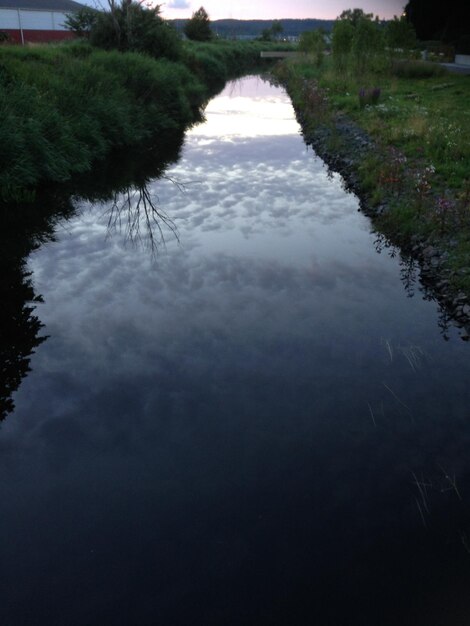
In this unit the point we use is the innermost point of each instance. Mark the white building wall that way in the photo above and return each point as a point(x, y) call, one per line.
point(36, 20)
point(32, 20)
point(59, 20)
point(9, 19)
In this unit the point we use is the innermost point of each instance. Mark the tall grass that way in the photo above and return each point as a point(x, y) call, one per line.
point(216, 61)
point(420, 164)
point(64, 106)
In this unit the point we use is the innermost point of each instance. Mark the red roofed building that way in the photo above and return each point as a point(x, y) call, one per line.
point(36, 21)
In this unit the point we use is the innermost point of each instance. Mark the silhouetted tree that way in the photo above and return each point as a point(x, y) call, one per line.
point(400, 33)
point(434, 19)
point(276, 29)
point(198, 28)
point(82, 21)
point(358, 42)
point(313, 42)
point(342, 38)
point(355, 15)
point(273, 32)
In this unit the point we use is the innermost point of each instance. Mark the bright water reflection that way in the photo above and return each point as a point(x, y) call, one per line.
point(257, 427)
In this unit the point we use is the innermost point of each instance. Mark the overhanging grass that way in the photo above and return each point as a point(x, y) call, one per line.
point(64, 106)
point(217, 61)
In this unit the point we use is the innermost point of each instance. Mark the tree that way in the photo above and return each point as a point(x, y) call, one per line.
point(434, 19)
point(276, 29)
point(313, 42)
point(355, 15)
point(400, 34)
point(266, 34)
point(273, 32)
point(81, 22)
point(198, 27)
point(342, 38)
point(358, 42)
point(368, 45)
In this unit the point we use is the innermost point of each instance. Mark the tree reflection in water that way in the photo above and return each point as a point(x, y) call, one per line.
point(19, 333)
point(137, 213)
point(123, 181)
point(23, 229)
point(409, 274)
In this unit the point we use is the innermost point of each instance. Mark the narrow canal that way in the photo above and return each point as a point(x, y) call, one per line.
point(261, 421)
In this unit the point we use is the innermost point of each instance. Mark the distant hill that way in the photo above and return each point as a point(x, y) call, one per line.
point(253, 28)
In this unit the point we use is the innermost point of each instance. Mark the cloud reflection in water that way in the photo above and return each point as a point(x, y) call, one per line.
point(201, 418)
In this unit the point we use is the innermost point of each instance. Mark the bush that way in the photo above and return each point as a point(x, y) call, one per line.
point(134, 28)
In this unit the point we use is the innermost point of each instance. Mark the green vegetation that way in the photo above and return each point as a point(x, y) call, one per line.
point(216, 61)
point(401, 34)
point(61, 107)
point(82, 21)
point(64, 106)
point(419, 119)
point(273, 32)
point(131, 27)
point(313, 43)
point(198, 28)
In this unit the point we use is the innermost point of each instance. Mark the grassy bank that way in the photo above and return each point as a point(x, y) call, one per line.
point(417, 174)
point(63, 107)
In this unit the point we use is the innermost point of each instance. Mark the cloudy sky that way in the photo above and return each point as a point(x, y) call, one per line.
point(269, 9)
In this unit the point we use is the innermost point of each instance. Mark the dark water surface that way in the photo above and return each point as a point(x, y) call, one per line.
point(254, 425)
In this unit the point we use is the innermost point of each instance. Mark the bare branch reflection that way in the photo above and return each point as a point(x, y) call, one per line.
point(137, 213)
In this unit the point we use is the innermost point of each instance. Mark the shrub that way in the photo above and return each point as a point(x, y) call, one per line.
point(131, 27)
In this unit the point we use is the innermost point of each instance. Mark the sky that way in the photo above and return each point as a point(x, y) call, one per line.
point(272, 9)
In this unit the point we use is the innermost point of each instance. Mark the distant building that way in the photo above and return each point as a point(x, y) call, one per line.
point(36, 21)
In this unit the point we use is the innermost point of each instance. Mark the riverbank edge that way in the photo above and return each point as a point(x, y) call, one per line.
point(68, 106)
point(344, 147)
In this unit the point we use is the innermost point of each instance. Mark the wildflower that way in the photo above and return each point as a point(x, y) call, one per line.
point(444, 205)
